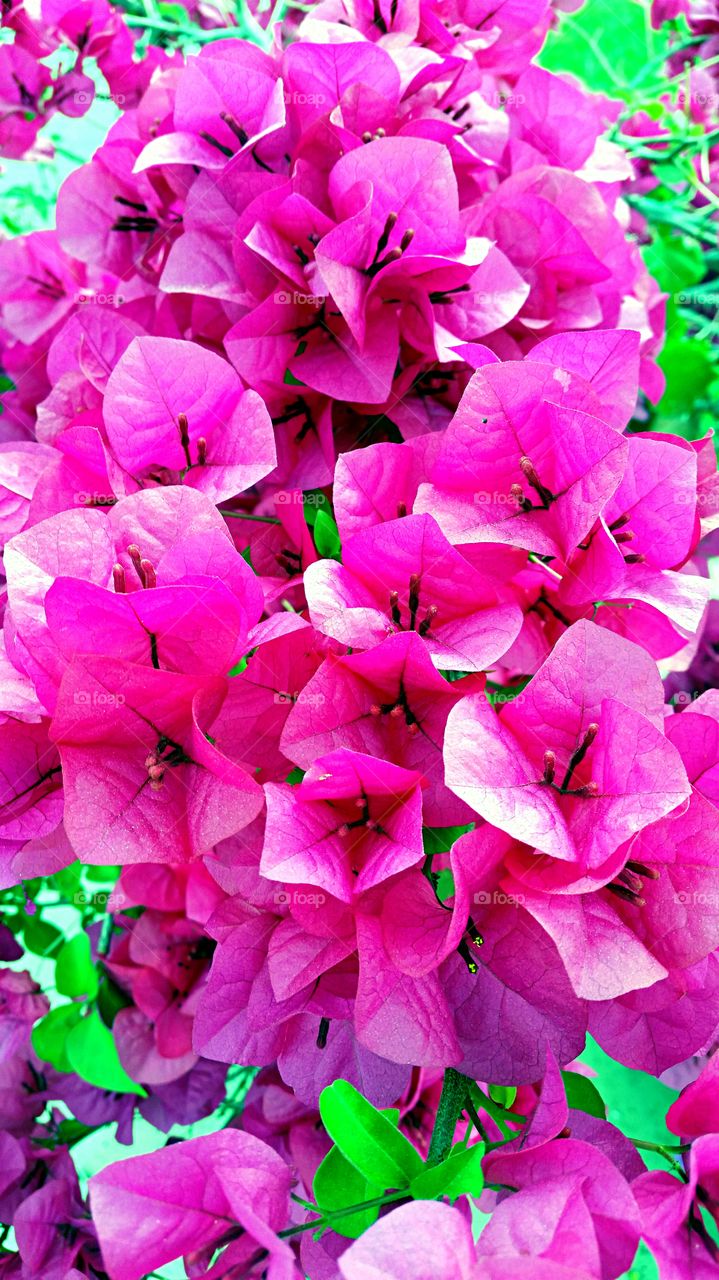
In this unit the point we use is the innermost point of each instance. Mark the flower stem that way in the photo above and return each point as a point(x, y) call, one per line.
point(326, 1219)
point(455, 1090)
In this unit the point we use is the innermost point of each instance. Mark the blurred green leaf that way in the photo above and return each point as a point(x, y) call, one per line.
point(75, 973)
point(41, 937)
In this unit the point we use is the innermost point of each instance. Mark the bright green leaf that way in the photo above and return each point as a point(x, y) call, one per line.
point(582, 1095)
point(327, 538)
point(49, 1035)
point(367, 1138)
point(75, 973)
point(337, 1184)
point(459, 1175)
point(92, 1053)
point(503, 1094)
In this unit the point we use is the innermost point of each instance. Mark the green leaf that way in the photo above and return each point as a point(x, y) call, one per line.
point(75, 973)
point(675, 261)
point(41, 937)
point(70, 1131)
point(327, 538)
point(367, 1138)
point(102, 875)
point(441, 839)
point(338, 1184)
point(688, 365)
point(503, 1094)
point(445, 886)
point(110, 1000)
point(583, 1095)
point(605, 44)
point(459, 1175)
point(67, 881)
point(49, 1035)
point(92, 1053)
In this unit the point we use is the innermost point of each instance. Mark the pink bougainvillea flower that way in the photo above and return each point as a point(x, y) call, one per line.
point(297, 331)
point(24, 80)
point(525, 461)
point(570, 1197)
point(696, 1109)
point(281, 545)
point(404, 576)
point(224, 1189)
point(350, 84)
point(579, 763)
point(505, 1018)
point(654, 1028)
point(160, 960)
point(286, 653)
point(21, 465)
point(228, 99)
point(79, 363)
point(352, 822)
point(608, 359)
point(416, 1240)
point(176, 533)
point(389, 702)
point(143, 778)
point(281, 990)
point(166, 628)
point(174, 411)
point(40, 286)
point(648, 529)
point(671, 1211)
point(434, 1240)
point(380, 482)
point(31, 807)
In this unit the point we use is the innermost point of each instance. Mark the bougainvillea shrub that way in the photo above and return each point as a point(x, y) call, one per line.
point(359, 676)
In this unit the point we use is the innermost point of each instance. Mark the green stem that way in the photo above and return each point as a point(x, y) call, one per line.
point(246, 515)
point(196, 34)
point(326, 1219)
point(664, 1152)
point(455, 1091)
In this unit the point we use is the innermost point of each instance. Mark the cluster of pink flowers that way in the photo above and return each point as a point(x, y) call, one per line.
point(32, 90)
point(336, 590)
